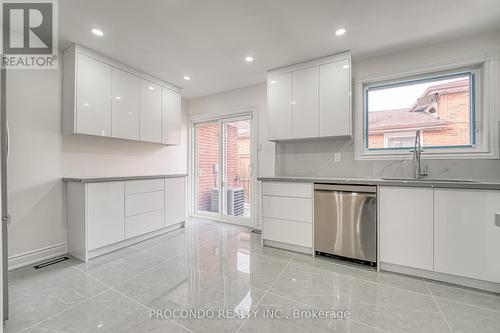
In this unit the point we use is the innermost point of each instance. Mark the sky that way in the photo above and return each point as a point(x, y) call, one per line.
point(400, 97)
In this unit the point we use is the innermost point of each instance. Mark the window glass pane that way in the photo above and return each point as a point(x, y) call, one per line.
point(439, 107)
point(237, 168)
point(207, 165)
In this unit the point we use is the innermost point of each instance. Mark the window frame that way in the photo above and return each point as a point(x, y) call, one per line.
point(470, 73)
point(484, 103)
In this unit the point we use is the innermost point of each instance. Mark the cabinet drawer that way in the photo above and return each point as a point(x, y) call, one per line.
point(286, 208)
point(290, 232)
point(147, 185)
point(284, 189)
point(144, 202)
point(143, 223)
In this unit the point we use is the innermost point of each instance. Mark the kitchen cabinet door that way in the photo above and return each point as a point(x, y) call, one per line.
point(279, 99)
point(150, 112)
point(105, 214)
point(125, 105)
point(175, 200)
point(467, 237)
point(406, 226)
point(305, 112)
point(171, 117)
point(93, 91)
point(334, 99)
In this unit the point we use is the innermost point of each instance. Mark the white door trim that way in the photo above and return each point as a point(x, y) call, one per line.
point(248, 113)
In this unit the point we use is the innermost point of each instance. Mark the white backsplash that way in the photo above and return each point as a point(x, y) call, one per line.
point(316, 159)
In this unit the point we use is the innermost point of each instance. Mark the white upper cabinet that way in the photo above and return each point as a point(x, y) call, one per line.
point(150, 112)
point(171, 117)
point(335, 99)
point(93, 103)
point(311, 99)
point(104, 97)
point(305, 113)
point(467, 233)
point(279, 99)
point(125, 105)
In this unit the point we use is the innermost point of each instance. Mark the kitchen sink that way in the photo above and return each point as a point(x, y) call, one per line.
point(430, 180)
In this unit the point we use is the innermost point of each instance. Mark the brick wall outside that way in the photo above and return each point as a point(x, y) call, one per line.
point(453, 107)
point(207, 137)
point(208, 156)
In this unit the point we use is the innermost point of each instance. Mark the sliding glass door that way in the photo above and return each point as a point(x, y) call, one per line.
point(223, 169)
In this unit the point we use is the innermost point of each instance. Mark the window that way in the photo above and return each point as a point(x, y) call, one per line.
point(441, 107)
point(400, 139)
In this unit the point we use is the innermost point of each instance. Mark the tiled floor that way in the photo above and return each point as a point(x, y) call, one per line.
point(217, 266)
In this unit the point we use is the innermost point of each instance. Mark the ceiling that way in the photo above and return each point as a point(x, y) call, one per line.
point(209, 39)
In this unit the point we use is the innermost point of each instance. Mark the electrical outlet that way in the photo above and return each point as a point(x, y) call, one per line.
point(337, 157)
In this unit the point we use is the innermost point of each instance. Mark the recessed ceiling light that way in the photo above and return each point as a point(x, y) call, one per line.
point(118, 97)
point(97, 32)
point(151, 88)
point(249, 59)
point(340, 31)
point(273, 82)
point(187, 77)
point(346, 66)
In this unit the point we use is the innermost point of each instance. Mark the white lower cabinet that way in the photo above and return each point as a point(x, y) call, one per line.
point(175, 200)
point(287, 214)
point(406, 226)
point(286, 231)
point(105, 214)
point(452, 234)
point(141, 203)
point(143, 223)
point(467, 240)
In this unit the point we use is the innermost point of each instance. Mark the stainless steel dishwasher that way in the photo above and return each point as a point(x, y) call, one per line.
point(345, 222)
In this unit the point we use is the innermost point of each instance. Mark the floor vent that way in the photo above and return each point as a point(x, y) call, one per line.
point(50, 262)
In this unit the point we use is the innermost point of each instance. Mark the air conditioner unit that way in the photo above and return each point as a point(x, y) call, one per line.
point(235, 201)
point(214, 200)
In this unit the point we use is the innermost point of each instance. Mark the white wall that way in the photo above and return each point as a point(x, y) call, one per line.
point(40, 156)
point(317, 158)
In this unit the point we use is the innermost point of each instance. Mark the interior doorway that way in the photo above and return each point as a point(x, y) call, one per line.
point(223, 169)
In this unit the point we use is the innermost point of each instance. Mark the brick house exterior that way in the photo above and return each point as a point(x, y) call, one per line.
point(441, 113)
point(209, 170)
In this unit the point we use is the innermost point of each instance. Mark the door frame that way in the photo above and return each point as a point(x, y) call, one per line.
point(242, 114)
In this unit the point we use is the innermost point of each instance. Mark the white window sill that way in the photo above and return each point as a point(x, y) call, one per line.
point(486, 155)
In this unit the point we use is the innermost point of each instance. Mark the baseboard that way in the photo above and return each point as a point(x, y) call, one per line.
point(116, 246)
point(31, 257)
point(442, 277)
point(288, 247)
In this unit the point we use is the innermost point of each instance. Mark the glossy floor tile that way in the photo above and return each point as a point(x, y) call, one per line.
point(215, 277)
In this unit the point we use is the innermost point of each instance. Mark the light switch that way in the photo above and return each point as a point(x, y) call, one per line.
point(497, 219)
point(337, 157)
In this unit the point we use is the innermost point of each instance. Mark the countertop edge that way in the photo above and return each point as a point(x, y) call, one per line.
point(473, 185)
point(119, 178)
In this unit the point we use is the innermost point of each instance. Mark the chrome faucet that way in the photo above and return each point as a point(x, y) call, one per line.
point(417, 157)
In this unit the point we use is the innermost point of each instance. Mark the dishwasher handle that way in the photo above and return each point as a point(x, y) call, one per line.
point(346, 188)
